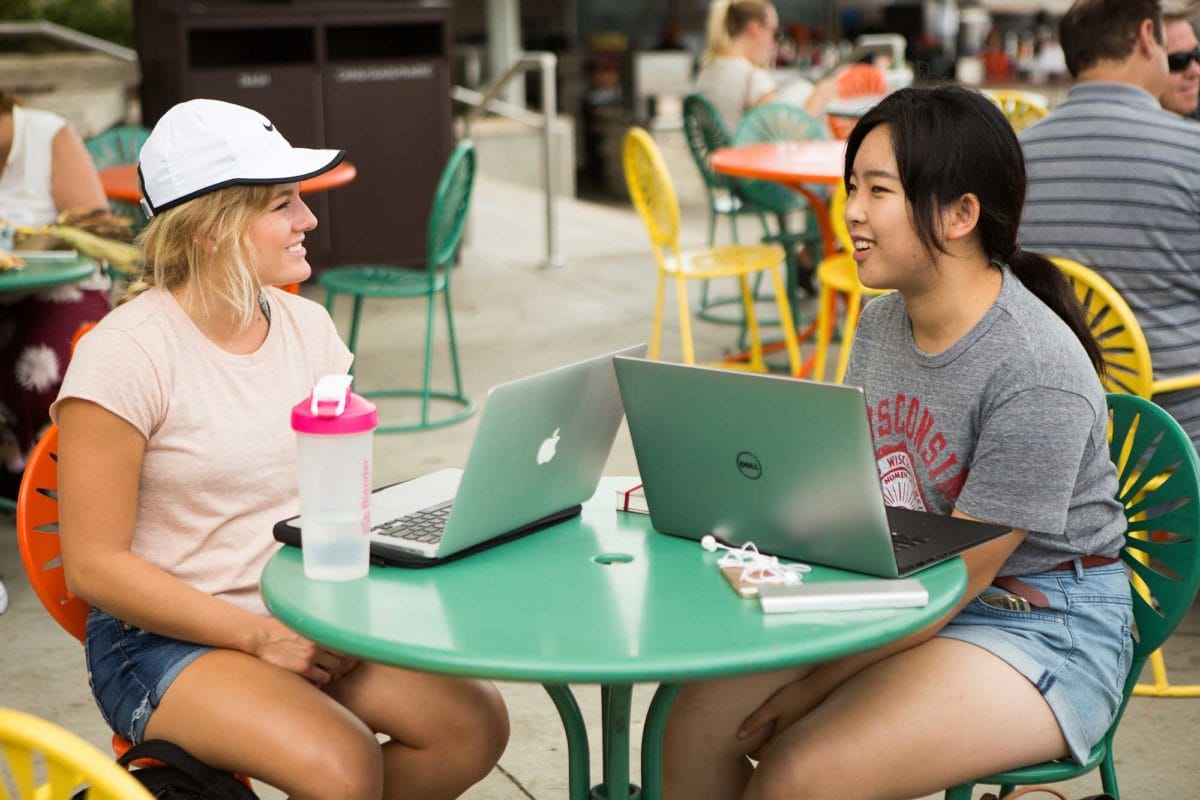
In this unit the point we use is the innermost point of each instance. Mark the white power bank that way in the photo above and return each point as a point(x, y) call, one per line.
point(843, 595)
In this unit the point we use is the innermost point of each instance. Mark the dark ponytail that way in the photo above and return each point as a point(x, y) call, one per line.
point(1043, 277)
point(950, 141)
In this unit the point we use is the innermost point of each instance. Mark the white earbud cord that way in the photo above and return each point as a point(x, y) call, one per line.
point(756, 567)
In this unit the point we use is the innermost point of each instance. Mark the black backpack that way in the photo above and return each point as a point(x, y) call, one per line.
point(180, 776)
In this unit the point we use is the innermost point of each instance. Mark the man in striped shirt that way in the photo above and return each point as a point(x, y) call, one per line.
point(1114, 182)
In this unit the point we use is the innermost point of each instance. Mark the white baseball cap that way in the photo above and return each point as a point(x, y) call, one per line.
point(200, 146)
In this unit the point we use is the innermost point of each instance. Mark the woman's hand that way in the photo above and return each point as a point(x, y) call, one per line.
point(280, 645)
point(789, 703)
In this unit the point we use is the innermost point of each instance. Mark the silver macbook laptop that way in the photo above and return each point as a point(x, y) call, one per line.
point(539, 452)
point(788, 464)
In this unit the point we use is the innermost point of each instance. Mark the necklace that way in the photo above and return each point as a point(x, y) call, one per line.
point(264, 308)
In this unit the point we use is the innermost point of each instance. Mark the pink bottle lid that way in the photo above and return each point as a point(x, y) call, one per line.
point(333, 410)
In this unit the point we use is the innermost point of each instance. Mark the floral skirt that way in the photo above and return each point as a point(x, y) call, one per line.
point(35, 345)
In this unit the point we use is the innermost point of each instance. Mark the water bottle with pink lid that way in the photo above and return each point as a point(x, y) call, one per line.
point(334, 435)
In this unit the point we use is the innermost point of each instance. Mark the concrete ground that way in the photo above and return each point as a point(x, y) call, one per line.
point(515, 318)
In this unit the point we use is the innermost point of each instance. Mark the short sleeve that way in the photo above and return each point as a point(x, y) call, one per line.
point(761, 84)
point(110, 369)
point(1027, 460)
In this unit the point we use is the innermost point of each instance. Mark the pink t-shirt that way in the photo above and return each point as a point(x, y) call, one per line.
point(220, 462)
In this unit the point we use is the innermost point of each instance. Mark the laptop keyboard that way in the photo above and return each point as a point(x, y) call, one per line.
point(902, 541)
point(424, 526)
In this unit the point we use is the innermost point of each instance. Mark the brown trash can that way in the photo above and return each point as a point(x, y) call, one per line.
point(369, 76)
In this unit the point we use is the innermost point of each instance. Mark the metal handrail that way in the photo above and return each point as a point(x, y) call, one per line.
point(70, 36)
point(487, 100)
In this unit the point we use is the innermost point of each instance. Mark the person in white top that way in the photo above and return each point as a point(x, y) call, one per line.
point(734, 77)
point(176, 458)
point(44, 169)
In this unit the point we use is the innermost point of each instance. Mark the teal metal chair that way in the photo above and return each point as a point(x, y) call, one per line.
point(705, 132)
point(1158, 483)
point(779, 122)
point(116, 146)
point(446, 223)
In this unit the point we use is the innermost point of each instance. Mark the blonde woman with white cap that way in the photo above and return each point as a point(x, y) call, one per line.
point(177, 456)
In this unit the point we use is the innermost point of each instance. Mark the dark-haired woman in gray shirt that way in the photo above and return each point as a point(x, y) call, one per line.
point(980, 377)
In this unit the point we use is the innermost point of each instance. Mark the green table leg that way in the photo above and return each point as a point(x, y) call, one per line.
point(577, 745)
point(615, 701)
point(652, 739)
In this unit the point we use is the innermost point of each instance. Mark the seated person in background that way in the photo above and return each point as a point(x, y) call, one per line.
point(987, 343)
point(1183, 59)
point(733, 76)
point(1113, 183)
point(177, 457)
point(44, 169)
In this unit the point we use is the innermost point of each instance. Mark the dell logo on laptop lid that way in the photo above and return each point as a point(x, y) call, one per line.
point(749, 465)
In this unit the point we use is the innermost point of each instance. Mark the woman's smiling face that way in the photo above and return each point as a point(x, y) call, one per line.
point(887, 249)
point(277, 236)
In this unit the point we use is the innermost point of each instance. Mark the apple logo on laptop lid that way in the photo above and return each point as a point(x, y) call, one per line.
point(548, 449)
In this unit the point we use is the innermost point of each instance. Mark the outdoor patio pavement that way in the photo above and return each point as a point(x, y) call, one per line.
point(514, 318)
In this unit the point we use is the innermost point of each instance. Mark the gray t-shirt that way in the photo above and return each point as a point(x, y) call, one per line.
point(1009, 425)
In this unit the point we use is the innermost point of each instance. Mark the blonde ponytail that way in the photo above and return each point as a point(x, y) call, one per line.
point(717, 42)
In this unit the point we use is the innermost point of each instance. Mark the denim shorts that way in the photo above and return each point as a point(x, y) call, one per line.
point(130, 669)
point(1076, 652)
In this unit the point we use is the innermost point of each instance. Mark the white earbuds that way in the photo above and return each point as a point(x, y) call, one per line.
point(756, 567)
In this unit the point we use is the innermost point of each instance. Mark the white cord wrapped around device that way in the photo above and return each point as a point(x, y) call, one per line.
point(756, 567)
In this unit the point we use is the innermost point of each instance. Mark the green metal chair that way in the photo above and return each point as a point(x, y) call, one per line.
point(780, 122)
point(446, 223)
point(116, 146)
point(1158, 483)
point(705, 132)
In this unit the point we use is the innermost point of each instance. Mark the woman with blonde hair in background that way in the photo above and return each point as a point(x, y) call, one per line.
point(177, 456)
point(734, 76)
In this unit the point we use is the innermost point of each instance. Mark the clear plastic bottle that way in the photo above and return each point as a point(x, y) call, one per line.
point(334, 438)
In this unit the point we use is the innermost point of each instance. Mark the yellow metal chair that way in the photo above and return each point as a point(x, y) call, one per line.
point(1021, 108)
point(1128, 371)
point(838, 277)
point(46, 762)
point(654, 197)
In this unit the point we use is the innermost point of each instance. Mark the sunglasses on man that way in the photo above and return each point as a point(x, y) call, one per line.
point(1178, 62)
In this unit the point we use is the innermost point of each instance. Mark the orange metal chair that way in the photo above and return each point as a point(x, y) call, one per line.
point(41, 552)
point(861, 80)
point(838, 277)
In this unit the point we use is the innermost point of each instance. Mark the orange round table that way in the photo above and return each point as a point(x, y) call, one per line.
point(121, 182)
point(792, 164)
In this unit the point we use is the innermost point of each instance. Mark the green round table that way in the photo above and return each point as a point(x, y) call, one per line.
point(44, 273)
point(600, 598)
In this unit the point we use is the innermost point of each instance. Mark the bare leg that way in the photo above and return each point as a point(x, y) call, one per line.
point(446, 733)
point(702, 756)
point(239, 713)
point(930, 717)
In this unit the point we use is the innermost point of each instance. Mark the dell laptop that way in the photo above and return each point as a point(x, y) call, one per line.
point(788, 464)
point(539, 452)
